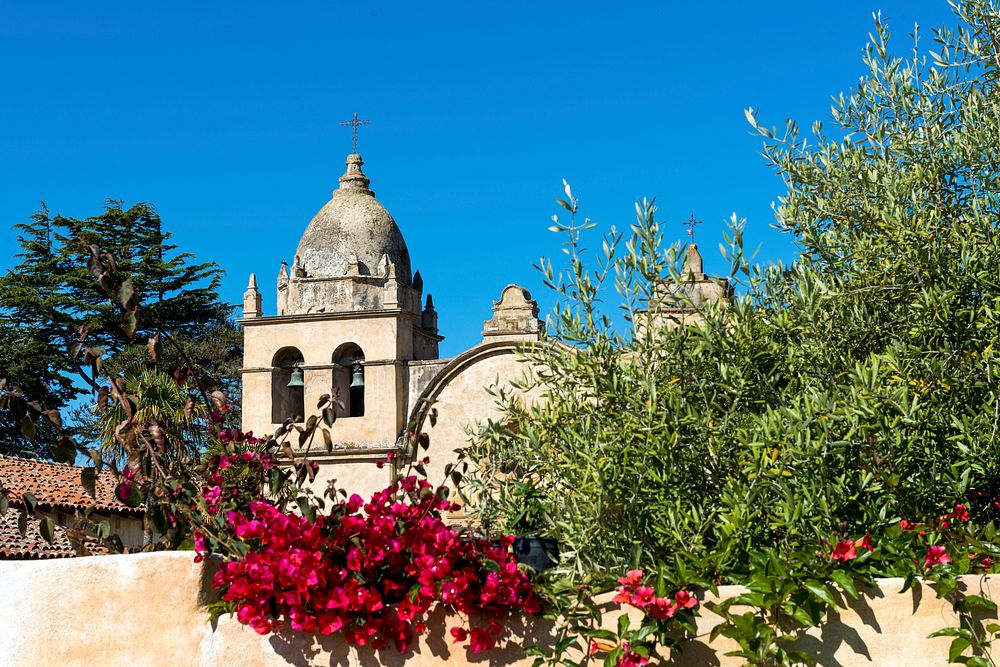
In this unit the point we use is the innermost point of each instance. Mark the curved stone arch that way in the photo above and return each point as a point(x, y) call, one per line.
point(286, 357)
point(459, 393)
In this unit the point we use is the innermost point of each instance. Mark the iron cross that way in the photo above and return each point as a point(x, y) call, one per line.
point(691, 224)
point(355, 122)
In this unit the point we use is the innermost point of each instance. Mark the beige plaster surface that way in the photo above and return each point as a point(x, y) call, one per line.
point(460, 395)
point(317, 338)
point(148, 609)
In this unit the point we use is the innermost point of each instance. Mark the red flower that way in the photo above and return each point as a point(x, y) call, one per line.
point(632, 578)
point(630, 658)
point(936, 555)
point(844, 551)
point(643, 597)
point(124, 491)
point(662, 608)
point(865, 542)
point(624, 596)
point(907, 525)
point(685, 600)
point(960, 512)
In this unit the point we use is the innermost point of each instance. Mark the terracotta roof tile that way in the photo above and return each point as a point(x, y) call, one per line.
point(58, 486)
point(31, 545)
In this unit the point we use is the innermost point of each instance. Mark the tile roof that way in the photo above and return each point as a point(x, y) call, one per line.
point(32, 545)
point(58, 486)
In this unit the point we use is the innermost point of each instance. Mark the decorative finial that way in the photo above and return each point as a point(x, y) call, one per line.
point(354, 122)
point(691, 224)
point(354, 180)
point(252, 299)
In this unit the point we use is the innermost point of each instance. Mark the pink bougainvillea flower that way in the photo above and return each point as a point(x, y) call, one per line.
point(459, 634)
point(480, 640)
point(124, 491)
point(936, 555)
point(844, 551)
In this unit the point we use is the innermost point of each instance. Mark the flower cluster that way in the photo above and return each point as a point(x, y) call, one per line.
point(371, 571)
point(235, 479)
point(631, 591)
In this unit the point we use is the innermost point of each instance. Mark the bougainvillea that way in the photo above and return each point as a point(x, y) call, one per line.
point(370, 570)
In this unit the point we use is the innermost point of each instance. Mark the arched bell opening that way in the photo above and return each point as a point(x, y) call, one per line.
point(349, 380)
point(288, 398)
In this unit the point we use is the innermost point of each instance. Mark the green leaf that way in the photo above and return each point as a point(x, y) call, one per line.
point(978, 602)
point(64, 450)
point(958, 646)
point(47, 528)
point(29, 501)
point(88, 479)
point(129, 324)
point(846, 583)
point(820, 592)
point(27, 427)
point(623, 623)
point(125, 293)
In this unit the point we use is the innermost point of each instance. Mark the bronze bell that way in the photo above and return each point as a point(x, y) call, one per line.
point(296, 380)
point(358, 377)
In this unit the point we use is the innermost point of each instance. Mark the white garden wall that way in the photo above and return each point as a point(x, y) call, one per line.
point(147, 609)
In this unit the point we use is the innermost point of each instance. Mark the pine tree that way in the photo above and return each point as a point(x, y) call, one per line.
point(50, 295)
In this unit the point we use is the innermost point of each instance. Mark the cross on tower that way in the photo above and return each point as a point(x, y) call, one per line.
point(355, 122)
point(691, 224)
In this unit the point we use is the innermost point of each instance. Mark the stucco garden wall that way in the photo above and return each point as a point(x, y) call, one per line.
point(147, 609)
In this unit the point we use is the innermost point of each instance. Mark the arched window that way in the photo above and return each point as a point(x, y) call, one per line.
point(349, 379)
point(286, 402)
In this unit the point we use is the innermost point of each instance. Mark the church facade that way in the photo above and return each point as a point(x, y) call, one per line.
point(352, 320)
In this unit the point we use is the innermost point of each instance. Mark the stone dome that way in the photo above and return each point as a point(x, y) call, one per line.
point(353, 226)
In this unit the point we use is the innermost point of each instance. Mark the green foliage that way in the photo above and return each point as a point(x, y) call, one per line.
point(50, 301)
point(835, 396)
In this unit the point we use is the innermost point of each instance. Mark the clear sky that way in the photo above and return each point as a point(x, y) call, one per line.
point(225, 116)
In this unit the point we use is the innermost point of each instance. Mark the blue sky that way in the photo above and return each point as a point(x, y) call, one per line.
point(225, 116)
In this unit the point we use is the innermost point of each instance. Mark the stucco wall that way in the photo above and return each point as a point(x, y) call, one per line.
point(148, 609)
point(459, 393)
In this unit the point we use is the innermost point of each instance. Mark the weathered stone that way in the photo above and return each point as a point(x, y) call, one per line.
point(351, 236)
point(252, 299)
point(515, 316)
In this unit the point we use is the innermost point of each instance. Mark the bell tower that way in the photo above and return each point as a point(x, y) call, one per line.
point(350, 318)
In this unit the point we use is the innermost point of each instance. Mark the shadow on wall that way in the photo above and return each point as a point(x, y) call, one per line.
point(304, 650)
